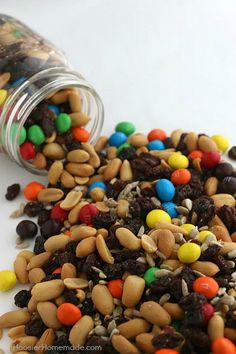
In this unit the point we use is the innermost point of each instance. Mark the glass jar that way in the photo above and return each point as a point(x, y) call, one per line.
point(31, 71)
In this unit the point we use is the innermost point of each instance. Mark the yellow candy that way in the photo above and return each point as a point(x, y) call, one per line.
point(189, 252)
point(221, 141)
point(7, 280)
point(157, 215)
point(3, 96)
point(188, 227)
point(177, 160)
point(203, 234)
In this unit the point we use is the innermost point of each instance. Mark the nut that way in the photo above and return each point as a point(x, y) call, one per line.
point(127, 239)
point(211, 186)
point(79, 119)
point(175, 136)
point(171, 227)
point(48, 195)
point(138, 140)
point(68, 271)
point(22, 342)
point(76, 283)
point(122, 208)
point(131, 298)
point(112, 169)
point(166, 242)
point(111, 152)
point(71, 200)
point(97, 194)
point(86, 247)
point(155, 314)
point(206, 144)
point(39, 260)
point(101, 143)
point(81, 232)
point(207, 268)
point(77, 156)
point(20, 267)
point(227, 247)
point(80, 169)
point(163, 154)
point(148, 244)
point(48, 290)
point(4, 78)
point(14, 318)
point(221, 233)
point(191, 141)
point(74, 212)
point(126, 173)
point(74, 101)
point(67, 180)
point(79, 332)
point(54, 151)
point(32, 305)
point(123, 345)
point(144, 342)
point(215, 327)
point(55, 171)
point(46, 340)
point(134, 327)
point(101, 206)
point(81, 180)
point(94, 159)
point(26, 254)
point(56, 243)
point(223, 199)
point(102, 299)
point(40, 161)
point(36, 275)
point(174, 310)
point(15, 332)
point(103, 250)
point(48, 313)
point(172, 264)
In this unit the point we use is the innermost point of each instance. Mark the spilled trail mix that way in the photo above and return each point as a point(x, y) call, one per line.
point(135, 249)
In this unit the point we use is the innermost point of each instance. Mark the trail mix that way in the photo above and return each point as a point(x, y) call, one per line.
point(135, 249)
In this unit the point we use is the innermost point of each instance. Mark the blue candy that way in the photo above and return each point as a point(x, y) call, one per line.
point(55, 109)
point(156, 145)
point(97, 184)
point(170, 208)
point(116, 139)
point(165, 190)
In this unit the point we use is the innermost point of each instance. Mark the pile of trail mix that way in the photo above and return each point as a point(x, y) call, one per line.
point(135, 249)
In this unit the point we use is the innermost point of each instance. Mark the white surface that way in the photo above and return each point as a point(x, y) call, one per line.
point(160, 63)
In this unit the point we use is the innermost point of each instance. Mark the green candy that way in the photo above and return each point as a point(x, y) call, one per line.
point(149, 275)
point(127, 128)
point(22, 137)
point(36, 134)
point(123, 146)
point(63, 123)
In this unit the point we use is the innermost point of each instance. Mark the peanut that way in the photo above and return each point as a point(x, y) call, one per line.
point(77, 156)
point(55, 171)
point(133, 290)
point(123, 346)
point(134, 327)
point(48, 313)
point(39, 260)
point(112, 169)
point(221, 233)
point(21, 342)
point(80, 169)
point(223, 199)
point(174, 310)
point(126, 173)
point(67, 180)
point(191, 141)
point(20, 267)
point(15, 332)
point(46, 340)
point(48, 195)
point(68, 271)
point(56, 243)
point(155, 314)
point(14, 318)
point(102, 299)
point(211, 186)
point(207, 268)
point(86, 247)
point(215, 327)
point(206, 144)
point(81, 232)
point(47, 290)
point(79, 332)
point(144, 342)
point(127, 239)
point(103, 250)
point(71, 200)
point(166, 242)
point(36, 275)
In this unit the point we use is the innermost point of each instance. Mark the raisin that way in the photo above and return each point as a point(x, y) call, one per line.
point(133, 224)
point(189, 276)
point(70, 296)
point(168, 143)
point(91, 261)
point(134, 267)
point(228, 216)
point(230, 319)
point(128, 153)
point(176, 289)
point(161, 285)
point(96, 342)
point(167, 340)
point(35, 327)
point(39, 245)
point(47, 126)
point(104, 220)
point(113, 271)
point(222, 264)
point(197, 337)
point(33, 209)
point(22, 298)
point(232, 153)
point(43, 216)
point(71, 247)
point(70, 142)
point(87, 307)
point(193, 300)
point(12, 191)
point(114, 189)
point(202, 212)
point(61, 343)
point(126, 254)
point(67, 257)
point(181, 146)
point(193, 318)
point(210, 253)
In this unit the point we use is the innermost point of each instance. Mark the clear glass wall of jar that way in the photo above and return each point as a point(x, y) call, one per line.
point(33, 70)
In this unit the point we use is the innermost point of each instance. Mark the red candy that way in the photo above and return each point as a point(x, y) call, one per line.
point(57, 271)
point(116, 288)
point(210, 159)
point(223, 346)
point(156, 134)
point(57, 213)
point(180, 176)
point(206, 286)
point(87, 212)
point(80, 134)
point(166, 351)
point(27, 150)
point(207, 311)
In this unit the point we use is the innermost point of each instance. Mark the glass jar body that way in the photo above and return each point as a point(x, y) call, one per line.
point(32, 71)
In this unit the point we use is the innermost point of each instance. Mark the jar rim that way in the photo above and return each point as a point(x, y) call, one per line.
point(24, 99)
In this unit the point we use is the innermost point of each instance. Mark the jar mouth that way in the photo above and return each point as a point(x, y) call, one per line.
point(34, 90)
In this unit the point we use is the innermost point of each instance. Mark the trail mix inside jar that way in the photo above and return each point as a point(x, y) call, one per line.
point(135, 248)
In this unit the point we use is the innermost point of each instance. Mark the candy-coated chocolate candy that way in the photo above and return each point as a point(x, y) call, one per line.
point(14, 129)
point(165, 190)
point(57, 213)
point(27, 150)
point(36, 134)
point(188, 227)
point(189, 252)
point(223, 345)
point(156, 134)
point(123, 146)
point(157, 215)
point(116, 288)
point(210, 159)
point(181, 176)
point(203, 234)
point(117, 139)
point(156, 145)
point(87, 212)
point(207, 311)
point(68, 314)
point(80, 134)
point(63, 123)
point(127, 128)
point(206, 286)
point(32, 190)
point(170, 208)
point(54, 108)
point(149, 275)
point(7, 280)
point(221, 141)
point(3, 96)
point(177, 160)
point(97, 184)
point(195, 154)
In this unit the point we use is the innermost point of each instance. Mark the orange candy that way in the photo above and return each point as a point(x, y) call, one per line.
point(166, 351)
point(68, 314)
point(206, 286)
point(195, 154)
point(32, 190)
point(68, 233)
point(181, 176)
point(80, 134)
point(223, 346)
point(57, 271)
point(156, 134)
point(116, 288)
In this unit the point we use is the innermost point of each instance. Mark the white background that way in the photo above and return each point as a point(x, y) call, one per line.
point(159, 63)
